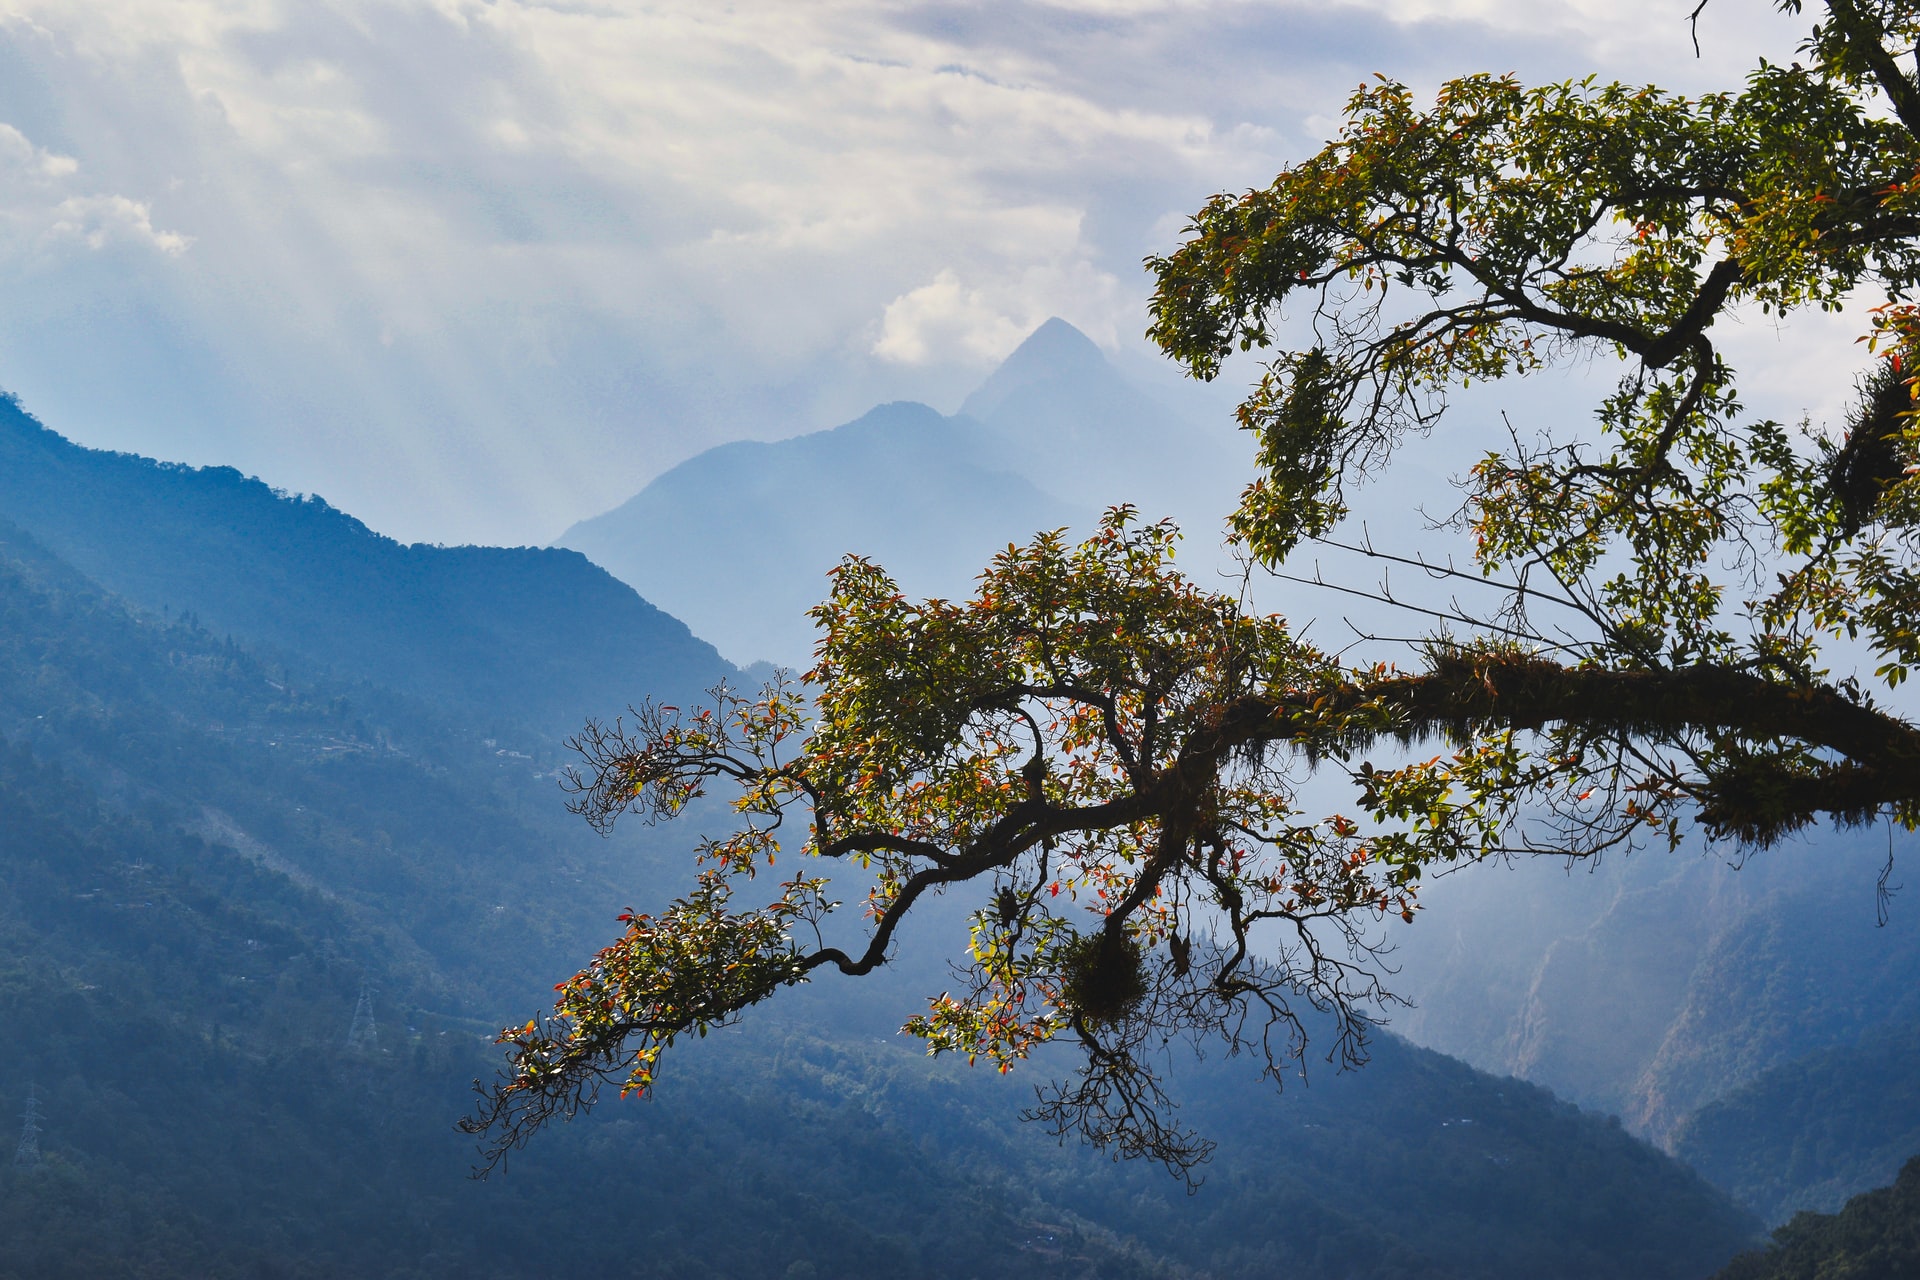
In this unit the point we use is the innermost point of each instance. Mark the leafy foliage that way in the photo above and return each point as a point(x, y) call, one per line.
point(1672, 582)
point(1085, 734)
point(1508, 229)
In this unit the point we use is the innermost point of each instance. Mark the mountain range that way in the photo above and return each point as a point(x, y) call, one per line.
point(738, 540)
point(259, 759)
point(221, 846)
point(525, 635)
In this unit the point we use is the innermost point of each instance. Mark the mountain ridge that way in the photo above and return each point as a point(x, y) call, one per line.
point(537, 635)
point(1048, 440)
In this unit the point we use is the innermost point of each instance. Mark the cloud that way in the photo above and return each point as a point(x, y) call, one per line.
point(41, 211)
point(946, 316)
point(97, 221)
point(24, 162)
point(1038, 265)
point(476, 269)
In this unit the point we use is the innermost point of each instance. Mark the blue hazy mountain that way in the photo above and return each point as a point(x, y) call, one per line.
point(1655, 983)
point(1748, 1019)
point(1809, 1134)
point(1068, 421)
point(535, 635)
point(1875, 1236)
point(738, 540)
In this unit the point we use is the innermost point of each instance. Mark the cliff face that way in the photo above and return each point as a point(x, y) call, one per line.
point(1654, 984)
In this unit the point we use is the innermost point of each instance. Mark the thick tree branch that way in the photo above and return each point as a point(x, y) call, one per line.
point(1467, 694)
point(1864, 40)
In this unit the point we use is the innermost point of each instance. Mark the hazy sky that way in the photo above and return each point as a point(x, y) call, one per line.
point(473, 271)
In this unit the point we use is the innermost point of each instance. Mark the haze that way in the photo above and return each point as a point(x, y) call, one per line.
point(475, 272)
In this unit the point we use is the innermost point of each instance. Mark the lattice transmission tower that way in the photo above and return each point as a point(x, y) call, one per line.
point(363, 1036)
point(26, 1156)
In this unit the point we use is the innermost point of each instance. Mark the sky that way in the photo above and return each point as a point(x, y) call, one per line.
point(473, 271)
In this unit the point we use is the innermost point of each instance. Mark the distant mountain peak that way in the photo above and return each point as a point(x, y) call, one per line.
point(1054, 340)
point(894, 415)
point(1056, 350)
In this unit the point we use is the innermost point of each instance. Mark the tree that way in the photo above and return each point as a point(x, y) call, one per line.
point(1109, 757)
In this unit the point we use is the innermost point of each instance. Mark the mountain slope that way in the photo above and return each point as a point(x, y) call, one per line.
point(1658, 983)
point(1875, 1237)
point(1810, 1133)
point(738, 540)
point(537, 636)
point(1069, 422)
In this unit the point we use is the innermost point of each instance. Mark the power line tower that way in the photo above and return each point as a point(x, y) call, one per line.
point(363, 1036)
point(26, 1156)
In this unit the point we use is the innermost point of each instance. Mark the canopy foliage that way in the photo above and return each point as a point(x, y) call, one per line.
point(1109, 757)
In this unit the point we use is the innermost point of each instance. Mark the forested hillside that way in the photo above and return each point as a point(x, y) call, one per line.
point(1875, 1237)
point(525, 635)
point(206, 859)
point(1811, 1132)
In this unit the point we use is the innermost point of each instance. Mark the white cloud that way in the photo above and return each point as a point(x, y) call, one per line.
point(97, 221)
point(947, 319)
point(22, 162)
point(945, 316)
point(40, 209)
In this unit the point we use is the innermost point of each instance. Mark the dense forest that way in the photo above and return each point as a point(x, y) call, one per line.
point(1876, 1236)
